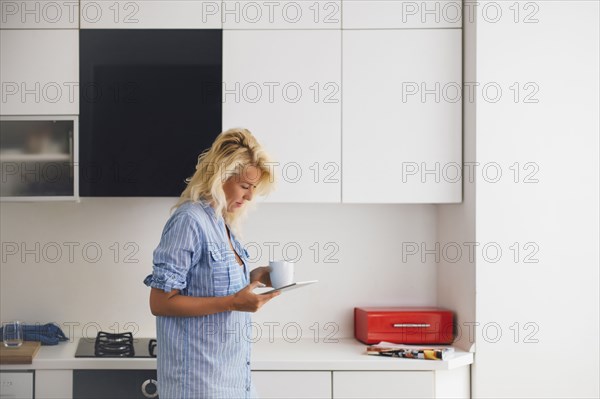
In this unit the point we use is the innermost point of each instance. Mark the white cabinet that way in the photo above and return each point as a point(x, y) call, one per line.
point(454, 383)
point(402, 116)
point(54, 384)
point(150, 14)
point(284, 87)
point(39, 72)
point(292, 384)
point(250, 14)
point(383, 384)
point(16, 384)
point(39, 14)
point(399, 14)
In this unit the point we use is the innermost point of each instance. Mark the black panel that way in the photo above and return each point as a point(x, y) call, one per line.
point(150, 104)
point(113, 384)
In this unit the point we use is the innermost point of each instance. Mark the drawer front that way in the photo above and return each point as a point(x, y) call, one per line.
point(383, 384)
point(16, 384)
point(102, 384)
point(292, 384)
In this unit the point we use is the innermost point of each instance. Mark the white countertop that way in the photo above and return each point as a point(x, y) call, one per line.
point(346, 354)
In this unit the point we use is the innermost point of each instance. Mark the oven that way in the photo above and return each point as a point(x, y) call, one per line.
point(115, 383)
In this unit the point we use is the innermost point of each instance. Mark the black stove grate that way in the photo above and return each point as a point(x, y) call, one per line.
point(114, 345)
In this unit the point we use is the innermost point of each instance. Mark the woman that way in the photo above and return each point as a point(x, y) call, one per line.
point(201, 287)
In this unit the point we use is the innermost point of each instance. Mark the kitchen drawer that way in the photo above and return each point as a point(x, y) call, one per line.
point(383, 384)
point(16, 384)
point(292, 384)
point(102, 384)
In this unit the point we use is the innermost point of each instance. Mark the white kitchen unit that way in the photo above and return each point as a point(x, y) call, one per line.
point(292, 384)
point(53, 384)
point(16, 384)
point(250, 14)
point(285, 87)
point(357, 375)
point(402, 116)
point(363, 384)
point(383, 384)
point(400, 14)
point(150, 14)
point(39, 14)
point(283, 369)
point(39, 72)
point(402, 384)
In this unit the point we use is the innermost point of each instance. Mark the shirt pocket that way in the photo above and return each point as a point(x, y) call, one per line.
point(221, 273)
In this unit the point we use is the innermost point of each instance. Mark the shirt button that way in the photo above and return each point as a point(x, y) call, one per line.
point(248, 363)
point(247, 388)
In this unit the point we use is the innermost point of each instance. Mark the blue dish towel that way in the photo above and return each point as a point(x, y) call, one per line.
point(47, 334)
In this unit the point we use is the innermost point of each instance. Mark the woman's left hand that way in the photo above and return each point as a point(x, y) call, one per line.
point(261, 274)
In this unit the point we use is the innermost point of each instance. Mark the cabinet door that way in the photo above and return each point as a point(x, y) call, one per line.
point(402, 140)
point(250, 14)
point(401, 14)
point(284, 87)
point(292, 384)
point(383, 384)
point(53, 384)
point(39, 14)
point(16, 384)
point(154, 14)
point(150, 103)
point(39, 72)
point(39, 154)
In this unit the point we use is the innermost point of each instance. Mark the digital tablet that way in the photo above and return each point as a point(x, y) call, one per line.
point(292, 286)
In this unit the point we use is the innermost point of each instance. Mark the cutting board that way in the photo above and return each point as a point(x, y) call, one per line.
point(21, 355)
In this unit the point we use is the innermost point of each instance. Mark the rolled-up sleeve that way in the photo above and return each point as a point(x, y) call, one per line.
point(179, 248)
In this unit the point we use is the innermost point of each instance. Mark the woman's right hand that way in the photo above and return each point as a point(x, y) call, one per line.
point(247, 301)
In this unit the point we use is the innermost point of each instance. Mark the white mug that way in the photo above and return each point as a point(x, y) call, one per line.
point(281, 273)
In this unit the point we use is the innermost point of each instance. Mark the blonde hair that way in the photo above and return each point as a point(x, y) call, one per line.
point(231, 152)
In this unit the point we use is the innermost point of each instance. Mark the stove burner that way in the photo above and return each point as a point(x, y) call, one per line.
point(114, 345)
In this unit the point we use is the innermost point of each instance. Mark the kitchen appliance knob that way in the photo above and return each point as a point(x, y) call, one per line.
point(145, 390)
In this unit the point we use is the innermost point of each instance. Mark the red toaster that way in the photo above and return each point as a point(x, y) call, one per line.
point(404, 325)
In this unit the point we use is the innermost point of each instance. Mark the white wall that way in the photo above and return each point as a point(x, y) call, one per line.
point(556, 355)
point(370, 270)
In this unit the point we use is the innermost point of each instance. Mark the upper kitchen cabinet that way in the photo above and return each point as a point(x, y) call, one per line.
point(39, 72)
point(402, 140)
point(285, 87)
point(39, 14)
point(399, 14)
point(249, 14)
point(150, 104)
point(37, 158)
point(150, 14)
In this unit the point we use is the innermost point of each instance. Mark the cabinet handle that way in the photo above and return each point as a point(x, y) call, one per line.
point(405, 325)
point(145, 392)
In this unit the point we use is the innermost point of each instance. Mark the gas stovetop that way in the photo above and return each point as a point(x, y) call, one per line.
point(116, 346)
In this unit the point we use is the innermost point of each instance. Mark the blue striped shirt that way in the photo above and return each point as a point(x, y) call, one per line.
point(205, 356)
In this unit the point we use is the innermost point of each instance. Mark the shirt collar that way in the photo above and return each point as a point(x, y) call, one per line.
point(211, 211)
